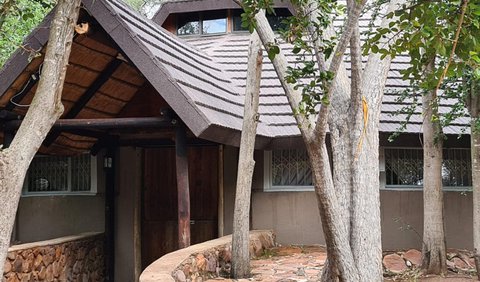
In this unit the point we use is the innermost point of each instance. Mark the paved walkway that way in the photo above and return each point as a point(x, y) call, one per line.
point(304, 264)
point(287, 264)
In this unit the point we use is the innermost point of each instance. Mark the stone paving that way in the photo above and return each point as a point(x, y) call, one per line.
point(304, 264)
point(286, 264)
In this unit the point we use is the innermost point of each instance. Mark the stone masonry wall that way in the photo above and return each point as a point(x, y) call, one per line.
point(72, 258)
point(216, 262)
point(203, 261)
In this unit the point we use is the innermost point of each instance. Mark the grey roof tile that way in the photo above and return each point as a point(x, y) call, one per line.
point(203, 78)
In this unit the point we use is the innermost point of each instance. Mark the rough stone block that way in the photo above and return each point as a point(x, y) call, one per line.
point(394, 263)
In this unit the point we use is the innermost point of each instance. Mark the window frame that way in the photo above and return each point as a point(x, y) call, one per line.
point(267, 178)
point(385, 187)
point(93, 181)
point(201, 17)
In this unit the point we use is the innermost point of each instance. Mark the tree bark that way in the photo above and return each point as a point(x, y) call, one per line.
point(349, 250)
point(473, 106)
point(246, 164)
point(434, 249)
point(475, 147)
point(45, 109)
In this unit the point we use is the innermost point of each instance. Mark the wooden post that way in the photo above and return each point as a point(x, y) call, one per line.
point(137, 219)
point(110, 214)
point(221, 220)
point(183, 190)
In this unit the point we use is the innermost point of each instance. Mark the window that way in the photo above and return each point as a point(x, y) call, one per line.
point(61, 175)
point(288, 170)
point(275, 20)
point(210, 22)
point(188, 23)
point(404, 168)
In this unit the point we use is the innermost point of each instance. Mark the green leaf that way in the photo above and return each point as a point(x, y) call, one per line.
point(273, 51)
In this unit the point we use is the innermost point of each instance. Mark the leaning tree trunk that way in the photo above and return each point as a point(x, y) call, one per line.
point(434, 249)
point(44, 110)
point(246, 164)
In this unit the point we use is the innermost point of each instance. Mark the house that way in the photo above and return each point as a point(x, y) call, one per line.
point(140, 93)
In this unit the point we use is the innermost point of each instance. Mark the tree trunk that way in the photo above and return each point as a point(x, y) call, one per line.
point(246, 164)
point(473, 105)
point(349, 249)
point(475, 147)
point(434, 249)
point(45, 109)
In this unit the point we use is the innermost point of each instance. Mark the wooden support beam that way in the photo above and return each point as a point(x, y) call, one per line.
point(109, 161)
point(86, 97)
point(87, 133)
point(221, 202)
point(106, 123)
point(183, 190)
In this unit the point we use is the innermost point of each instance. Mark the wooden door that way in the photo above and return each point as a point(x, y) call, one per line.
point(159, 215)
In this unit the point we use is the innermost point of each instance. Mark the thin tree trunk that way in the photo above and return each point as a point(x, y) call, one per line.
point(246, 164)
point(473, 105)
point(45, 109)
point(434, 249)
point(475, 147)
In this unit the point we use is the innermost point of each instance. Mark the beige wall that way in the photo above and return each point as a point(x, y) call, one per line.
point(127, 183)
point(402, 215)
point(47, 217)
point(294, 215)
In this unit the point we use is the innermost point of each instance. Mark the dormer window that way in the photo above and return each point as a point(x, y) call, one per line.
point(209, 22)
point(218, 21)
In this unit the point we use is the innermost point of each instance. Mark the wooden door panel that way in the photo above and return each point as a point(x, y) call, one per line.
point(161, 237)
point(159, 215)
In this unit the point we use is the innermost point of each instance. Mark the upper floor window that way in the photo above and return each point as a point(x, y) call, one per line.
point(276, 20)
point(61, 175)
point(209, 22)
point(404, 168)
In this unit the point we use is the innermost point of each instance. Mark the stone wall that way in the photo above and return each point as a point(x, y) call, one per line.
point(71, 258)
point(202, 261)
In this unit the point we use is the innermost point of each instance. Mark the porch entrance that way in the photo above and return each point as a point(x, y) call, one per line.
point(159, 199)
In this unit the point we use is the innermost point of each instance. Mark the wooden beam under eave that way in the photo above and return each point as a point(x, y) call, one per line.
point(86, 97)
point(183, 190)
point(103, 123)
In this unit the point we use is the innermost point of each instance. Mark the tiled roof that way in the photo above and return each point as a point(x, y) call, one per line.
point(203, 78)
point(230, 50)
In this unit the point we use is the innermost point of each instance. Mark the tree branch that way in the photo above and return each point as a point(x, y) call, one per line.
point(455, 41)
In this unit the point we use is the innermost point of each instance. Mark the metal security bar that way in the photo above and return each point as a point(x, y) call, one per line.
point(59, 174)
point(291, 168)
point(404, 167)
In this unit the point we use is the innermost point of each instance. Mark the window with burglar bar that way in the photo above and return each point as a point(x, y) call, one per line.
point(288, 170)
point(61, 175)
point(404, 168)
